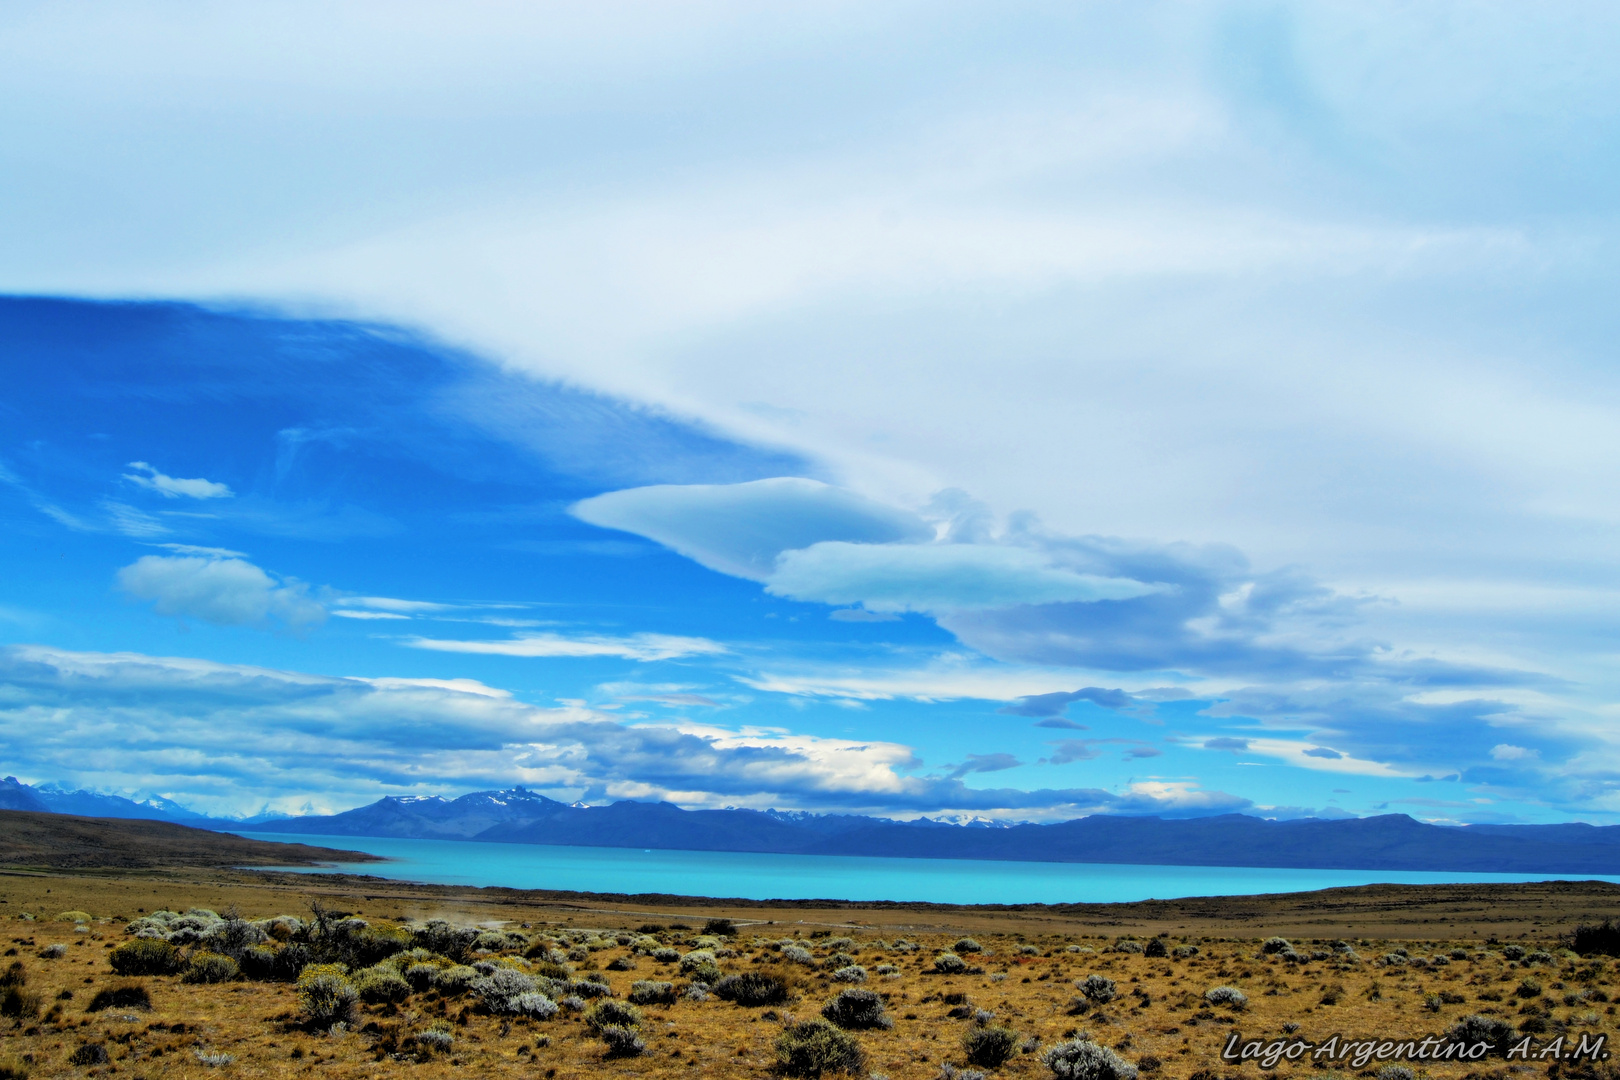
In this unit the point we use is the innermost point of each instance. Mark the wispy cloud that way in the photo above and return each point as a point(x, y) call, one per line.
point(171, 487)
point(645, 647)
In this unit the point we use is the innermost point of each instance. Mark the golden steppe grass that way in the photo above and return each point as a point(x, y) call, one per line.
point(1159, 1020)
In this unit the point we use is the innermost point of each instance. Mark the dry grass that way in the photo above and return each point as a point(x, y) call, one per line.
point(1158, 1015)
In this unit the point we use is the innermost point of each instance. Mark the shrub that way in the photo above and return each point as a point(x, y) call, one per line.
point(14, 975)
point(17, 1003)
point(590, 988)
point(812, 1047)
point(1540, 956)
point(666, 955)
point(1528, 988)
point(948, 963)
point(622, 1041)
point(421, 976)
point(124, 995)
point(1129, 946)
point(1276, 945)
point(53, 952)
point(88, 1054)
point(433, 1040)
point(606, 1014)
point(752, 988)
point(720, 928)
point(440, 937)
point(1156, 949)
point(967, 945)
point(1513, 952)
point(501, 988)
point(851, 973)
point(145, 956)
point(1182, 952)
point(798, 954)
point(699, 963)
point(232, 936)
point(12, 1069)
point(75, 917)
point(648, 992)
point(1396, 1072)
point(1476, 1029)
point(1083, 1059)
point(208, 967)
point(454, 980)
point(380, 983)
point(857, 1010)
point(1098, 989)
point(1599, 939)
point(621, 963)
point(989, 1046)
point(325, 994)
point(1226, 995)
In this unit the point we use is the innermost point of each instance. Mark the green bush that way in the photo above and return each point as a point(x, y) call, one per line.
point(752, 988)
point(854, 973)
point(967, 945)
point(948, 963)
point(1156, 949)
point(86, 1054)
point(812, 1047)
point(124, 995)
point(622, 1041)
point(380, 983)
point(325, 994)
point(990, 1046)
point(611, 1018)
point(720, 928)
point(145, 956)
point(207, 967)
point(455, 979)
point(857, 1010)
point(1226, 995)
point(1098, 989)
point(648, 992)
point(1276, 945)
point(1083, 1059)
point(1475, 1029)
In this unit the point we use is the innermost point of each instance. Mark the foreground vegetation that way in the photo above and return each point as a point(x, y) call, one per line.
point(321, 991)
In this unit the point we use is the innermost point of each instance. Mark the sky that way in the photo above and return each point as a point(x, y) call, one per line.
point(1013, 410)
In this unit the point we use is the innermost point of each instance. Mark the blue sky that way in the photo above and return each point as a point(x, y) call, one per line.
point(1018, 410)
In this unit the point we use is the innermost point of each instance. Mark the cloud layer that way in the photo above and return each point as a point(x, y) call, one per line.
point(236, 737)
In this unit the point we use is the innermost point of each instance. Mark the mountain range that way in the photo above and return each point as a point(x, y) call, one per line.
point(519, 816)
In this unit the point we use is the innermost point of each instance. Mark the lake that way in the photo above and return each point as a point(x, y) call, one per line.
point(756, 876)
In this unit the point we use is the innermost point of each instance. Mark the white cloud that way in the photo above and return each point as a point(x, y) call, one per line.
point(390, 604)
point(171, 487)
point(740, 529)
point(644, 647)
point(936, 577)
point(231, 738)
point(1509, 752)
point(227, 591)
point(345, 613)
point(197, 549)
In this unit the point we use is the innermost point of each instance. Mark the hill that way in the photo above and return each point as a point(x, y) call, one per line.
point(35, 839)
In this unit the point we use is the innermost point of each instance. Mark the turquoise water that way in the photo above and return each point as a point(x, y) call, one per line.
point(753, 876)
